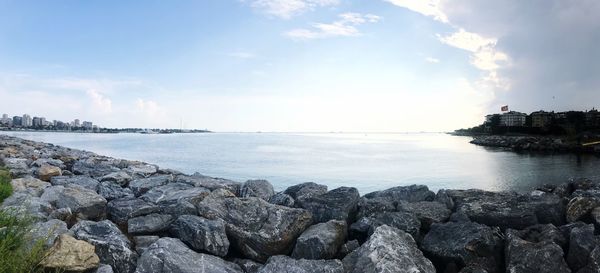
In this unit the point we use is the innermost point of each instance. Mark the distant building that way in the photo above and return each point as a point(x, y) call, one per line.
point(592, 119)
point(76, 123)
point(26, 121)
point(541, 119)
point(17, 121)
point(88, 125)
point(6, 120)
point(513, 119)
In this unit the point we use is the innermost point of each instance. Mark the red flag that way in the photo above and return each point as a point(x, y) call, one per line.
point(504, 108)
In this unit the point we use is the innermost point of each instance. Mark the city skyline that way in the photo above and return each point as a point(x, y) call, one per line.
point(301, 65)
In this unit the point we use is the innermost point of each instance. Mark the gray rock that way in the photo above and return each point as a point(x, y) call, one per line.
point(347, 248)
point(508, 209)
point(388, 250)
point(405, 221)
point(247, 265)
point(121, 210)
point(523, 256)
point(412, 193)
point(122, 178)
point(581, 244)
point(580, 208)
point(149, 224)
point(257, 188)
point(143, 242)
point(337, 204)
point(93, 167)
point(593, 265)
point(17, 167)
point(211, 183)
point(112, 247)
point(202, 234)
point(29, 185)
point(141, 186)
point(84, 203)
point(111, 191)
point(171, 255)
point(36, 207)
point(48, 231)
point(463, 243)
point(175, 192)
point(142, 170)
point(304, 190)
point(442, 197)
point(427, 212)
point(282, 199)
point(277, 264)
point(321, 241)
point(368, 207)
point(80, 180)
point(256, 228)
point(64, 214)
point(540, 233)
point(104, 268)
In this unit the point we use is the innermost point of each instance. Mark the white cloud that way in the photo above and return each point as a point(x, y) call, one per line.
point(432, 60)
point(288, 8)
point(346, 26)
point(99, 101)
point(468, 41)
point(426, 7)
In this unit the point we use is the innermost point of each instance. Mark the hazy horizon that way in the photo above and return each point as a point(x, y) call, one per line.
point(307, 66)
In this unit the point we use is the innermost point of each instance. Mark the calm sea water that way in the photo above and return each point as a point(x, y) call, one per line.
point(368, 162)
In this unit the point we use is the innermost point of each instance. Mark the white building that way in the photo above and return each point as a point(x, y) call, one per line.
point(27, 121)
point(513, 119)
point(88, 125)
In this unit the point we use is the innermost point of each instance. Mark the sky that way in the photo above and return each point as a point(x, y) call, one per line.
point(297, 65)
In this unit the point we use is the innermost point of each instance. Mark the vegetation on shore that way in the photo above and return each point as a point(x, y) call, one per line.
point(17, 253)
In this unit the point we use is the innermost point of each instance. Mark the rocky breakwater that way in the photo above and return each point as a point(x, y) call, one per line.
point(110, 215)
point(533, 143)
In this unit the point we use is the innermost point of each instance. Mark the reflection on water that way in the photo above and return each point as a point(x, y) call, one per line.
point(366, 161)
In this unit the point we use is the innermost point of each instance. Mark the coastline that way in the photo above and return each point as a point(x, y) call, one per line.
point(138, 215)
point(535, 143)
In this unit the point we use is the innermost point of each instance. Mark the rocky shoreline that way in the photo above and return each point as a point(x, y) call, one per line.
point(111, 215)
point(533, 143)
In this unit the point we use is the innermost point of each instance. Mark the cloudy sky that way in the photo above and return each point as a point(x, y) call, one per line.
point(297, 65)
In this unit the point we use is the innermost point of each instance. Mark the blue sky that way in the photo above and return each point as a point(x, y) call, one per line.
point(293, 65)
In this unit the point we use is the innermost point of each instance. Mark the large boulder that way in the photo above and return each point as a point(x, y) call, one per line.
point(459, 244)
point(321, 241)
point(579, 208)
point(142, 170)
point(48, 231)
point(121, 210)
point(71, 255)
point(581, 244)
point(427, 212)
point(202, 234)
point(84, 203)
point(143, 242)
point(509, 209)
point(149, 224)
point(388, 250)
point(143, 185)
point(211, 183)
point(174, 192)
point(405, 221)
point(46, 171)
point(370, 206)
point(593, 265)
point(93, 167)
point(412, 193)
point(112, 246)
point(304, 190)
point(111, 190)
point(36, 207)
point(337, 204)
point(256, 228)
point(122, 178)
point(282, 199)
point(80, 180)
point(541, 255)
point(278, 264)
point(29, 185)
point(257, 188)
point(171, 255)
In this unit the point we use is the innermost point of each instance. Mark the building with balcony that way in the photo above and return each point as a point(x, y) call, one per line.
point(513, 119)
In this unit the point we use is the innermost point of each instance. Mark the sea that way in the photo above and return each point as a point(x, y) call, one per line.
point(367, 161)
